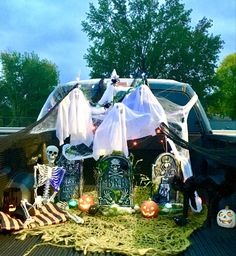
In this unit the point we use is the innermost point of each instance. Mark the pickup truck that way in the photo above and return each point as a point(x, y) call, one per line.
point(200, 133)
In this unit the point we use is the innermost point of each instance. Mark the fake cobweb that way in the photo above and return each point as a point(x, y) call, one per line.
point(119, 234)
point(121, 113)
point(126, 235)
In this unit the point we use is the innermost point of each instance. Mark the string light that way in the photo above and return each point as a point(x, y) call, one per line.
point(94, 128)
point(158, 131)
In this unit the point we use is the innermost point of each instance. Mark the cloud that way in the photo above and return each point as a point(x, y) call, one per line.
point(52, 29)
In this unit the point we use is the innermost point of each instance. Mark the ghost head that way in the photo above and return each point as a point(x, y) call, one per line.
point(52, 153)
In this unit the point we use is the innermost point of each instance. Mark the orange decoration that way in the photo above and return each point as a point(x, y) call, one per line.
point(85, 202)
point(149, 209)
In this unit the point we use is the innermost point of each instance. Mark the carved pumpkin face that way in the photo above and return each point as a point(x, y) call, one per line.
point(85, 202)
point(226, 218)
point(12, 207)
point(149, 209)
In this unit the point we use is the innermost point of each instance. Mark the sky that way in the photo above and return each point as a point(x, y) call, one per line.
point(52, 29)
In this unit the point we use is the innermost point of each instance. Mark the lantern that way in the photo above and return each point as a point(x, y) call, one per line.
point(85, 202)
point(226, 218)
point(149, 209)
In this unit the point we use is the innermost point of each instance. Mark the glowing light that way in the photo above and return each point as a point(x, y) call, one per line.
point(73, 203)
point(161, 141)
point(94, 128)
point(135, 143)
point(158, 130)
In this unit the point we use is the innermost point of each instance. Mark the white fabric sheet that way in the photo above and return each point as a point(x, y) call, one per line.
point(62, 123)
point(111, 92)
point(143, 101)
point(74, 119)
point(119, 125)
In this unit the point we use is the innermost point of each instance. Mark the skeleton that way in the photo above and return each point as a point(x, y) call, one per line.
point(47, 175)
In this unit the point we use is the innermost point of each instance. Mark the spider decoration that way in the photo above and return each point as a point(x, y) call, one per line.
point(210, 190)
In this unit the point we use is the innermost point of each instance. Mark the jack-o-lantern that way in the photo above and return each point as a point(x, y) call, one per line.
point(149, 209)
point(226, 218)
point(85, 202)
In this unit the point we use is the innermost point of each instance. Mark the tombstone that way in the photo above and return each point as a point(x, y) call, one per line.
point(164, 169)
point(115, 181)
point(70, 186)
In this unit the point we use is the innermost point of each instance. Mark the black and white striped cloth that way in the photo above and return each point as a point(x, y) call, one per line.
point(47, 215)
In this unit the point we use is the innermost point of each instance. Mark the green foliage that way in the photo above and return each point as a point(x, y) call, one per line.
point(222, 102)
point(157, 39)
point(25, 84)
point(101, 167)
point(141, 194)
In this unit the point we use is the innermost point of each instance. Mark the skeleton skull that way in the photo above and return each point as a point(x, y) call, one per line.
point(115, 165)
point(52, 153)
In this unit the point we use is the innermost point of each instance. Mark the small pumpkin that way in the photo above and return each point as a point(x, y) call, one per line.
point(93, 209)
point(85, 202)
point(226, 218)
point(149, 209)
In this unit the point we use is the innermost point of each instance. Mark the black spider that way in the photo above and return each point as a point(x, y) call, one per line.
point(207, 188)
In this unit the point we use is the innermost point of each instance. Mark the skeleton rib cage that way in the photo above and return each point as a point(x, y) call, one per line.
point(45, 175)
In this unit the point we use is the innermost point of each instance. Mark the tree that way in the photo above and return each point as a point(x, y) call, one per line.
point(158, 39)
point(222, 100)
point(25, 84)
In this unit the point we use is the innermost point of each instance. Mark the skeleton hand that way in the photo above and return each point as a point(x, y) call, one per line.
point(107, 196)
point(123, 196)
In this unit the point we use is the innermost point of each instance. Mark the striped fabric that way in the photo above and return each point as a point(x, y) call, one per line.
point(47, 215)
point(7, 223)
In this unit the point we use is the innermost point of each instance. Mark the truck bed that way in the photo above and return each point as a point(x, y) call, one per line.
point(214, 241)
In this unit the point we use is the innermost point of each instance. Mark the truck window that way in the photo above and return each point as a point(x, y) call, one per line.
point(182, 99)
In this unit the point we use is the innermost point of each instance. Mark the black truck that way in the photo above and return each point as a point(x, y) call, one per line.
point(221, 144)
point(211, 152)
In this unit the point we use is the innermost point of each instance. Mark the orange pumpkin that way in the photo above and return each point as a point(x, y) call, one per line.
point(85, 202)
point(149, 209)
